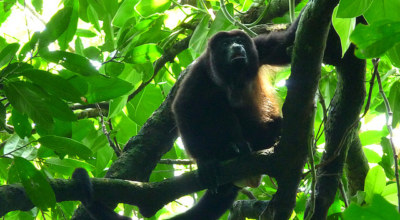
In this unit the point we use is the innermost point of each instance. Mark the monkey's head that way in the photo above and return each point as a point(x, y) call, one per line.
point(233, 60)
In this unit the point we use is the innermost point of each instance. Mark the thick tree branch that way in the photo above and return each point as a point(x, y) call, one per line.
point(340, 128)
point(298, 108)
point(149, 197)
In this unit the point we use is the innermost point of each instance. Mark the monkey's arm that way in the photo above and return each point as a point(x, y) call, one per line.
point(274, 48)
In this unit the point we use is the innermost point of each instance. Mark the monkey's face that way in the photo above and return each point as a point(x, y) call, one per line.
point(234, 63)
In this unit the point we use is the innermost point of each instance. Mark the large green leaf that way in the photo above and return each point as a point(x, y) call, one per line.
point(394, 100)
point(375, 182)
point(103, 88)
point(379, 209)
point(198, 41)
point(149, 7)
point(375, 39)
point(381, 10)
point(142, 106)
point(124, 13)
point(28, 99)
point(65, 146)
point(71, 61)
point(344, 27)
point(57, 25)
point(66, 166)
point(394, 55)
point(22, 126)
point(35, 184)
point(69, 33)
point(8, 53)
point(54, 84)
point(146, 53)
point(351, 8)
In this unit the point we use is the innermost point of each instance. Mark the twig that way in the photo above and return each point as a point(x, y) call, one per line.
point(310, 147)
point(176, 161)
point(343, 192)
point(389, 120)
point(234, 21)
point(107, 134)
point(168, 56)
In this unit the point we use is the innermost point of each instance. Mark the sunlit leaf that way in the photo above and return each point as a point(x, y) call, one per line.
point(351, 8)
point(8, 53)
point(375, 39)
point(149, 7)
point(65, 146)
point(374, 182)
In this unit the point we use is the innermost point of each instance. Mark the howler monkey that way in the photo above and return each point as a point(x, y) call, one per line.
point(226, 107)
point(96, 210)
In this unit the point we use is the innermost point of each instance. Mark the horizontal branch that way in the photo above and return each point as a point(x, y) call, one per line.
point(149, 197)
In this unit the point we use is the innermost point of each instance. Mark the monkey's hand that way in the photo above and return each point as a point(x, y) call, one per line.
point(208, 172)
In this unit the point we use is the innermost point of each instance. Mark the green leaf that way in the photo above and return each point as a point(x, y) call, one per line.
point(372, 137)
point(28, 99)
point(54, 84)
point(372, 156)
point(69, 33)
point(390, 193)
point(352, 9)
point(79, 46)
point(8, 53)
point(3, 112)
point(60, 109)
point(375, 39)
point(142, 106)
point(379, 209)
point(38, 4)
point(381, 10)
point(375, 182)
point(35, 184)
point(116, 105)
point(149, 7)
point(146, 53)
point(344, 27)
point(102, 88)
point(15, 145)
point(65, 146)
point(109, 44)
point(71, 61)
point(394, 100)
point(57, 25)
point(394, 55)
point(93, 18)
point(85, 33)
point(22, 126)
point(220, 22)
point(67, 166)
point(124, 13)
point(199, 39)
point(92, 53)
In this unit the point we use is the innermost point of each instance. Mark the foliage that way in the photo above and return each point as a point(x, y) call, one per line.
point(92, 52)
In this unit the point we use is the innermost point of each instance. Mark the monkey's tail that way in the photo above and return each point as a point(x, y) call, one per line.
point(212, 205)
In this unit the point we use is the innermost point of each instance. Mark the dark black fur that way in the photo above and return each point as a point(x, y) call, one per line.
point(222, 112)
point(96, 210)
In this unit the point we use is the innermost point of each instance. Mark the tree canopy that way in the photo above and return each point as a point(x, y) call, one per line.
point(89, 84)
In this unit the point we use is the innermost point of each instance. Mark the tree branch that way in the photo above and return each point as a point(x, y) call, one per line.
point(298, 108)
point(149, 197)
